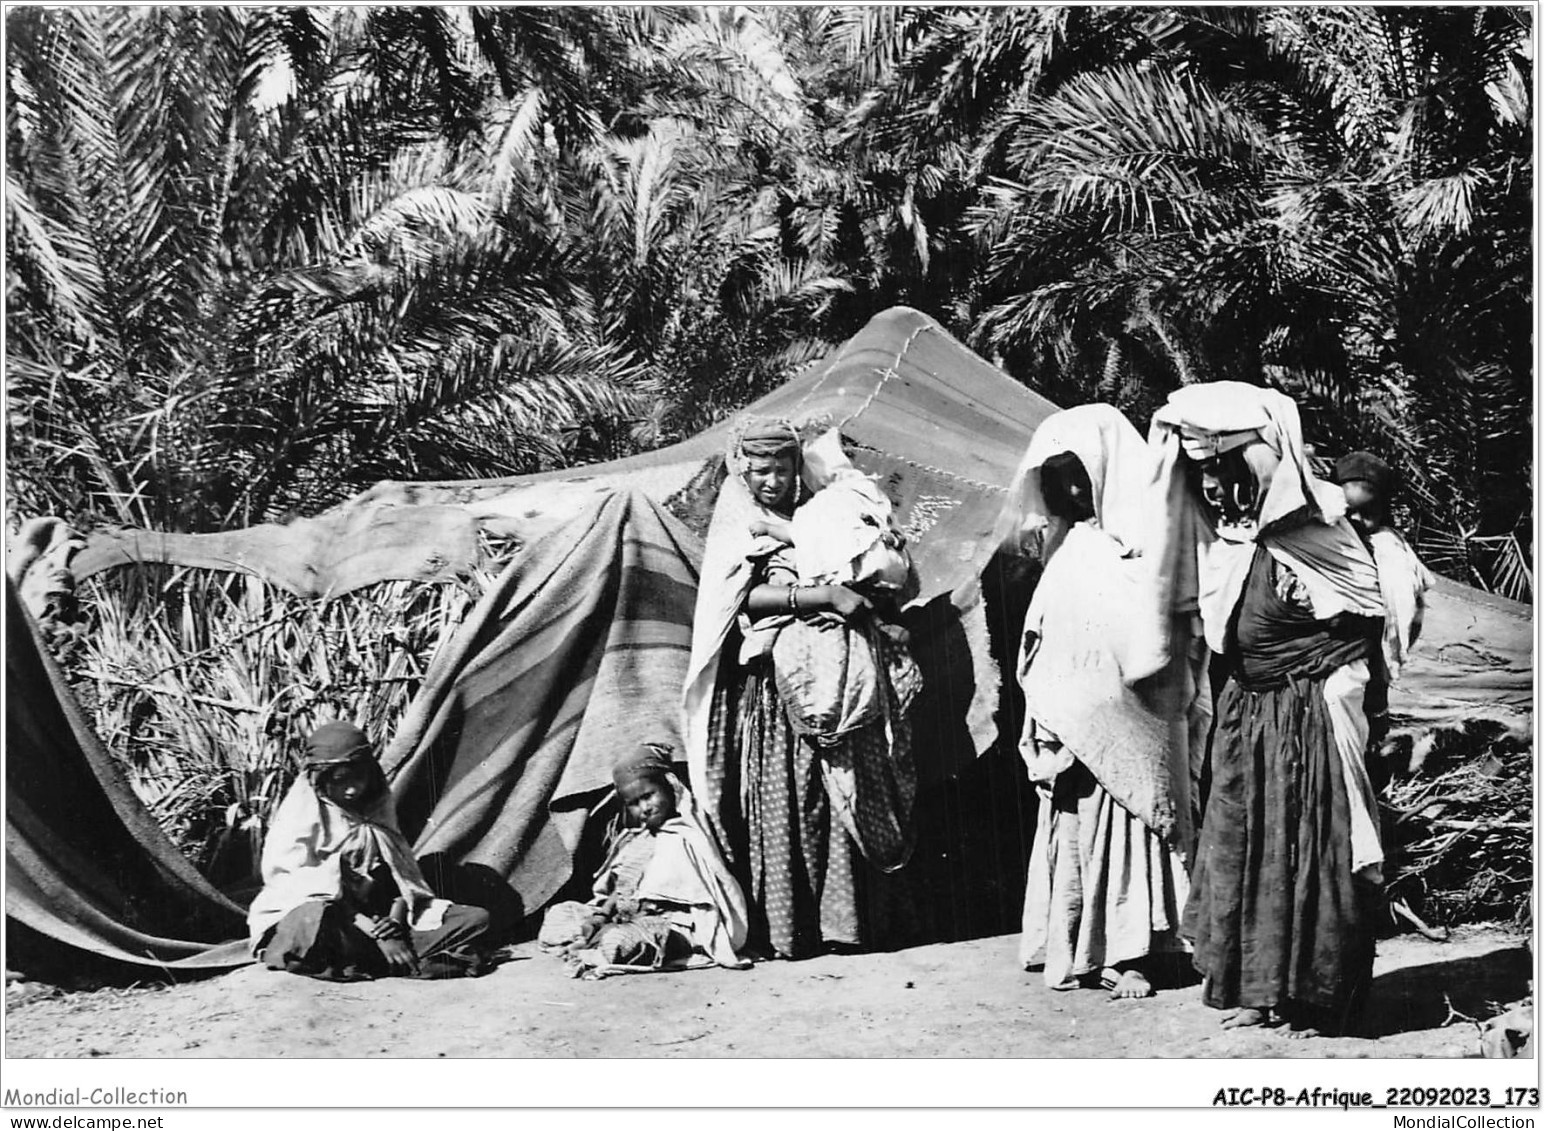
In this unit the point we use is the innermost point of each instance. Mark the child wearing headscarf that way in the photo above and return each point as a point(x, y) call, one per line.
point(663, 897)
point(343, 898)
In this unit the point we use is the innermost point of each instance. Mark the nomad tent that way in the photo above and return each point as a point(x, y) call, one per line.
point(580, 646)
point(86, 864)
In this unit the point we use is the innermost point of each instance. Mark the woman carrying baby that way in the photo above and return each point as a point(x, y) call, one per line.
point(798, 787)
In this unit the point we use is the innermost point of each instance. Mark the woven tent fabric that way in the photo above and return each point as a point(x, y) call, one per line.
point(1474, 660)
point(944, 430)
point(571, 657)
point(86, 863)
point(940, 426)
point(323, 557)
point(581, 645)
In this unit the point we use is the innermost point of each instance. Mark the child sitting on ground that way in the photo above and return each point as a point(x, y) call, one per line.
point(663, 898)
point(343, 897)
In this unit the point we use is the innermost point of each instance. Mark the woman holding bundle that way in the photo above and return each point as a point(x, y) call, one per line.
point(804, 773)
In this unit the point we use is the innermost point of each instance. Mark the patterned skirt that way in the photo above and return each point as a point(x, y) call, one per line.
point(1276, 915)
point(787, 846)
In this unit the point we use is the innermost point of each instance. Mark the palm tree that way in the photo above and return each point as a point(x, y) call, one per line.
point(308, 248)
point(225, 306)
point(1329, 200)
point(1411, 205)
point(684, 216)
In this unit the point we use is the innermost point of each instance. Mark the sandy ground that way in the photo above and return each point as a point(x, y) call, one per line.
point(964, 999)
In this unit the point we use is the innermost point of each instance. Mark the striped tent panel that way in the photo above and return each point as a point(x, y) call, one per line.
point(573, 655)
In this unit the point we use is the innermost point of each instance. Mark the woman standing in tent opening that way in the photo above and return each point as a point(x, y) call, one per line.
point(796, 734)
point(1287, 873)
point(1104, 735)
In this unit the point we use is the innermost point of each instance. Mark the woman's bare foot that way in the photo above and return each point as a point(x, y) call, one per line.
point(1246, 1019)
point(1304, 1021)
point(1127, 984)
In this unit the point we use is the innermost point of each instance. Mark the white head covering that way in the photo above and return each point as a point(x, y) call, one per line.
point(1214, 418)
point(1301, 520)
point(1120, 471)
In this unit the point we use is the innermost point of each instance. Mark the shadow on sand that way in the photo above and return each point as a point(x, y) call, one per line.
point(1419, 997)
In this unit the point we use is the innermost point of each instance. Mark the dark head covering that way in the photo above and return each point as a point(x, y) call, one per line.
point(767, 439)
point(649, 760)
point(336, 744)
point(1369, 469)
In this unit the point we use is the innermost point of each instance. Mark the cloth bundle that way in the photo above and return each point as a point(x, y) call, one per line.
point(832, 676)
point(1404, 580)
point(844, 534)
point(648, 940)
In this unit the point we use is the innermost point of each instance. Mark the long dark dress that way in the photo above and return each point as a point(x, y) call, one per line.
point(1276, 915)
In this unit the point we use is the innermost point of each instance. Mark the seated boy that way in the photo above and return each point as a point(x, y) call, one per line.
point(663, 897)
point(343, 897)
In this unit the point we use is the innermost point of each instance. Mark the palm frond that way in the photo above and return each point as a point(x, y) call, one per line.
point(56, 262)
point(1440, 206)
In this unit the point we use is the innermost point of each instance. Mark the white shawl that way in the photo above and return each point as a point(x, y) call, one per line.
point(1083, 650)
point(303, 856)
